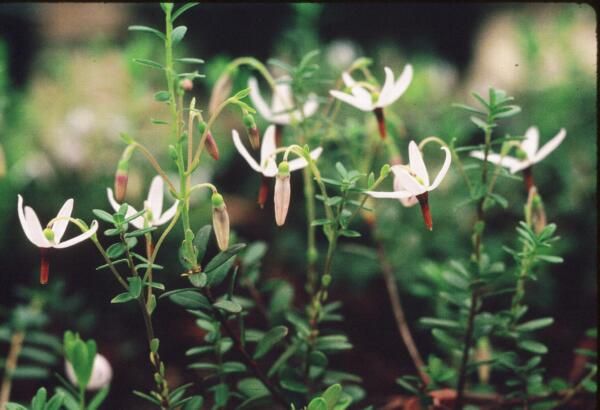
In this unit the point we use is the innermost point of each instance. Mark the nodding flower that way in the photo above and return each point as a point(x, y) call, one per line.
point(100, 377)
point(527, 155)
point(220, 221)
point(373, 100)
point(51, 236)
point(281, 198)
point(154, 215)
point(282, 110)
point(413, 181)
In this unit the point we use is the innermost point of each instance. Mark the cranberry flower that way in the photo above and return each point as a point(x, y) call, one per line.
point(413, 181)
point(282, 110)
point(51, 236)
point(528, 153)
point(154, 215)
point(372, 100)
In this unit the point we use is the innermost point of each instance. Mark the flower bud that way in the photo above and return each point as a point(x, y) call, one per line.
point(186, 84)
point(282, 193)
point(483, 354)
point(220, 91)
point(220, 221)
point(252, 129)
point(380, 122)
point(538, 214)
point(121, 175)
point(101, 373)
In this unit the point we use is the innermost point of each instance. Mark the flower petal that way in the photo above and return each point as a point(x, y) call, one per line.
point(364, 97)
point(299, 163)
point(33, 236)
point(137, 222)
point(155, 197)
point(550, 146)
point(440, 176)
point(406, 181)
point(348, 80)
point(59, 227)
point(507, 161)
point(267, 149)
point(281, 103)
point(409, 202)
point(257, 100)
point(352, 100)
point(531, 142)
point(388, 85)
point(242, 150)
point(311, 105)
point(416, 162)
point(79, 238)
point(520, 166)
point(168, 214)
point(390, 195)
point(111, 198)
point(399, 88)
point(35, 228)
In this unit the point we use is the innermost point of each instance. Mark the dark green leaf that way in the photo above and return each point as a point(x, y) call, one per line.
point(148, 30)
point(269, 340)
point(122, 298)
point(177, 34)
point(228, 305)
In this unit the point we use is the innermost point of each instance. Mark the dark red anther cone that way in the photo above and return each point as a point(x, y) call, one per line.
point(278, 135)
point(528, 177)
point(263, 192)
point(44, 265)
point(380, 122)
point(424, 202)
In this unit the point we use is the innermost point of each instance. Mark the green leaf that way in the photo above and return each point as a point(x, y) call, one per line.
point(55, 401)
point(332, 343)
point(39, 400)
point(115, 250)
point(162, 96)
point(180, 11)
point(146, 397)
point(135, 286)
point(407, 385)
point(148, 63)
point(435, 322)
point(533, 346)
point(98, 398)
point(122, 298)
point(252, 387)
point(216, 276)
point(468, 108)
point(30, 372)
point(198, 279)
point(189, 299)
point(147, 30)
point(479, 122)
point(319, 222)
point(590, 385)
point(317, 403)
point(228, 305)
point(177, 34)
point(103, 215)
point(332, 395)
point(223, 257)
point(508, 112)
point(349, 233)
point(535, 324)
point(269, 340)
point(190, 60)
point(254, 253)
point(550, 258)
point(38, 355)
point(194, 403)
point(201, 240)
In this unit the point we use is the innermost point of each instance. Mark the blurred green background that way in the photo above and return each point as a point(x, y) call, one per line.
point(68, 87)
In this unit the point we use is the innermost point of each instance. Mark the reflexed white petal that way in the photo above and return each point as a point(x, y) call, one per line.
point(399, 88)
point(60, 226)
point(310, 106)
point(531, 142)
point(242, 150)
point(79, 238)
point(364, 96)
point(416, 162)
point(299, 163)
point(440, 176)
point(137, 222)
point(33, 237)
point(282, 99)
point(111, 198)
point(388, 85)
point(408, 202)
point(406, 181)
point(507, 161)
point(267, 148)
point(348, 80)
point(550, 146)
point(155, 197)
point(168, 214)
point(520, 166)
point(257, 100)
point(352, 100)
point(391, 195)
point(35, 228)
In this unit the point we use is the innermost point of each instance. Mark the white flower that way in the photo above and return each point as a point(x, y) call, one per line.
point(282, 110)
point(52, 235)
point(101, 373)
point(364, 100)
point(413, 180)
point(153, 206)
point(529, 150)
point(268, 166)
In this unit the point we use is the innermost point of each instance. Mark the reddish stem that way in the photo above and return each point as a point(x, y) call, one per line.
point(44, 265)
point(263, 192)
point(380, 122)
point(424, 202)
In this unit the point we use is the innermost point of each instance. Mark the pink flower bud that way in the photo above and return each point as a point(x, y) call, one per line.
point(220, 221)
point(121, 175)
point(282, 193)
point(187, 84)
point(211, 146)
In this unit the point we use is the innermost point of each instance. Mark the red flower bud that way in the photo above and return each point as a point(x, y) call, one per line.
point(211, 146)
